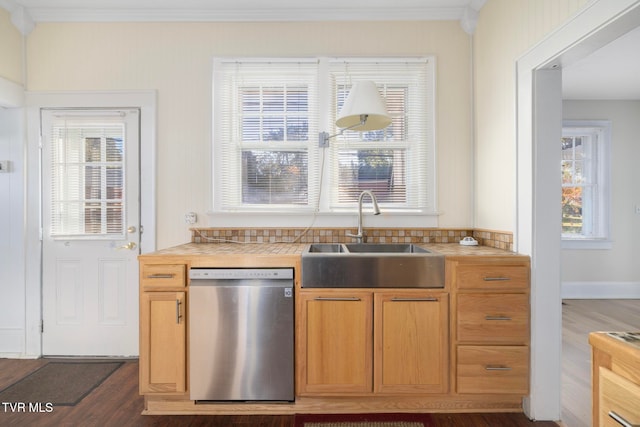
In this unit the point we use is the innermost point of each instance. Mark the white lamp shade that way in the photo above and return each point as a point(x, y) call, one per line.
point(364, 100)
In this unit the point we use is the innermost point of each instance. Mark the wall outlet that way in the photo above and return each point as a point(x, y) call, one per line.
point(190, 218)
point(4, 166)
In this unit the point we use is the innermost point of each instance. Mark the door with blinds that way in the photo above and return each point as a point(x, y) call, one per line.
point(91, 231)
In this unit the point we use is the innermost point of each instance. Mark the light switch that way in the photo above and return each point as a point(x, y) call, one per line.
point(4, 166)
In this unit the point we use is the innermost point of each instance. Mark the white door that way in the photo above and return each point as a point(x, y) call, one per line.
point(91, 231)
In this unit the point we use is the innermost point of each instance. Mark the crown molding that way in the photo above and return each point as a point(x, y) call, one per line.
point(20, 17)
point(25, 19)
point(244, 15)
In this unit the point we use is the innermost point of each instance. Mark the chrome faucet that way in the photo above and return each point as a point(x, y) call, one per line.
point(360, 237)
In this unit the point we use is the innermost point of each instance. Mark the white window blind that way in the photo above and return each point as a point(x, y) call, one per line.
point(268, 134)
point(87, 176)
point(266, 124)
point(398, 162)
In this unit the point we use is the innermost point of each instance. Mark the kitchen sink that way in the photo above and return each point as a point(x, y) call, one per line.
point(370, 265)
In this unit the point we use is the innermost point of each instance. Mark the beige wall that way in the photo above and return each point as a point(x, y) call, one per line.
point(176, 60)
point(620, 263)
point(506, 29)
point(10, 49)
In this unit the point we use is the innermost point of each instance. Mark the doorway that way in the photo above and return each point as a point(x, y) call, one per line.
point(538, 232)
point(144, 102)
point(91, 231)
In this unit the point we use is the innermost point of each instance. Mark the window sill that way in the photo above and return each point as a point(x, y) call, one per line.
point(602, 244)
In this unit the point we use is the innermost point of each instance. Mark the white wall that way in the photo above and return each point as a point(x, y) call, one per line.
point(12, 252)
point(175, 59)
point(11, 42)
point(588, 273)
point(506, 30)
point(12, 191)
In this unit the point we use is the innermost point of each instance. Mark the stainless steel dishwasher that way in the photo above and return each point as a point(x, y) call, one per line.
point(241, 334)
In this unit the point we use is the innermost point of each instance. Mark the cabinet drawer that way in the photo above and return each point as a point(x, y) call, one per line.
point(619, 400)
point(493, 318)
point(163, 276)
point(493, 369)
point(492, 277)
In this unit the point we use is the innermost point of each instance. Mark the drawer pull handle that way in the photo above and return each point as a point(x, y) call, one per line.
point(497, 368)
point(497, 318)
point(178, 315)
point(620, 420)
point(429, 299)
point(337, 299)
point(160, 276)
point(496, 279)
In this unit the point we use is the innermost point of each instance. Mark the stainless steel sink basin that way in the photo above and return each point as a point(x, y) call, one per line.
point(388, 248)
point(362, 265)
point(326, 248)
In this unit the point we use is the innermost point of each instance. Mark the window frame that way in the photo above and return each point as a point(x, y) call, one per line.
point(599, 216)
point(322, 158)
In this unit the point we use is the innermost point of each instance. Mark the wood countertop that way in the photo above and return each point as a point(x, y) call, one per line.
point(195, 250)
point(619, 345)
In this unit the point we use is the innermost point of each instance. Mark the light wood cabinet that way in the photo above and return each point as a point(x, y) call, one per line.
point(493, 369)
point(335, 354)
point(619, 400)
point(491, 325)
point(615, 365)
point(162, 276)
point(493, 318)
point(355, 341)
point(163, 333)
point(411, 342)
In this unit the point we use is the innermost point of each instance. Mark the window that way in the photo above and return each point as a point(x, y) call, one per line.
point(266, 115)
point(585, 182)
point(87, 176)
point(266, 126)
point(397, 163)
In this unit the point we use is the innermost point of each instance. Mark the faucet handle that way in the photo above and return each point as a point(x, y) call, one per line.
point(360, 237)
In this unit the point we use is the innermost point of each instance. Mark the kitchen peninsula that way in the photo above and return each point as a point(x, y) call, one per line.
point(480, 325)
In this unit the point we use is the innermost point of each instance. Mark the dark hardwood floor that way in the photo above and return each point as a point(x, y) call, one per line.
point(116, 403)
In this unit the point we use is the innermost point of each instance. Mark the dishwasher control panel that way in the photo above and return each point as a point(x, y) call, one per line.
point(240, 273)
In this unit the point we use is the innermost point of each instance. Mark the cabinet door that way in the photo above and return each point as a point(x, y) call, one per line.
point(336, 346)
point(411, 342)
point(162, 342)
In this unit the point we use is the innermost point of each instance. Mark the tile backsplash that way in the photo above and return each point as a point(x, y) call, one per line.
point(494, 239)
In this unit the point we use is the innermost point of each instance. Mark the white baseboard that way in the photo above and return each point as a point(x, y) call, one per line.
point(600, 290)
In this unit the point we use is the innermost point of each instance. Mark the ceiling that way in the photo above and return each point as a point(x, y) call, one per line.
point(609, 73)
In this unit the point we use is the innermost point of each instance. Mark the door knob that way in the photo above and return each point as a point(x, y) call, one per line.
point(131, 229)
point(130, 246)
